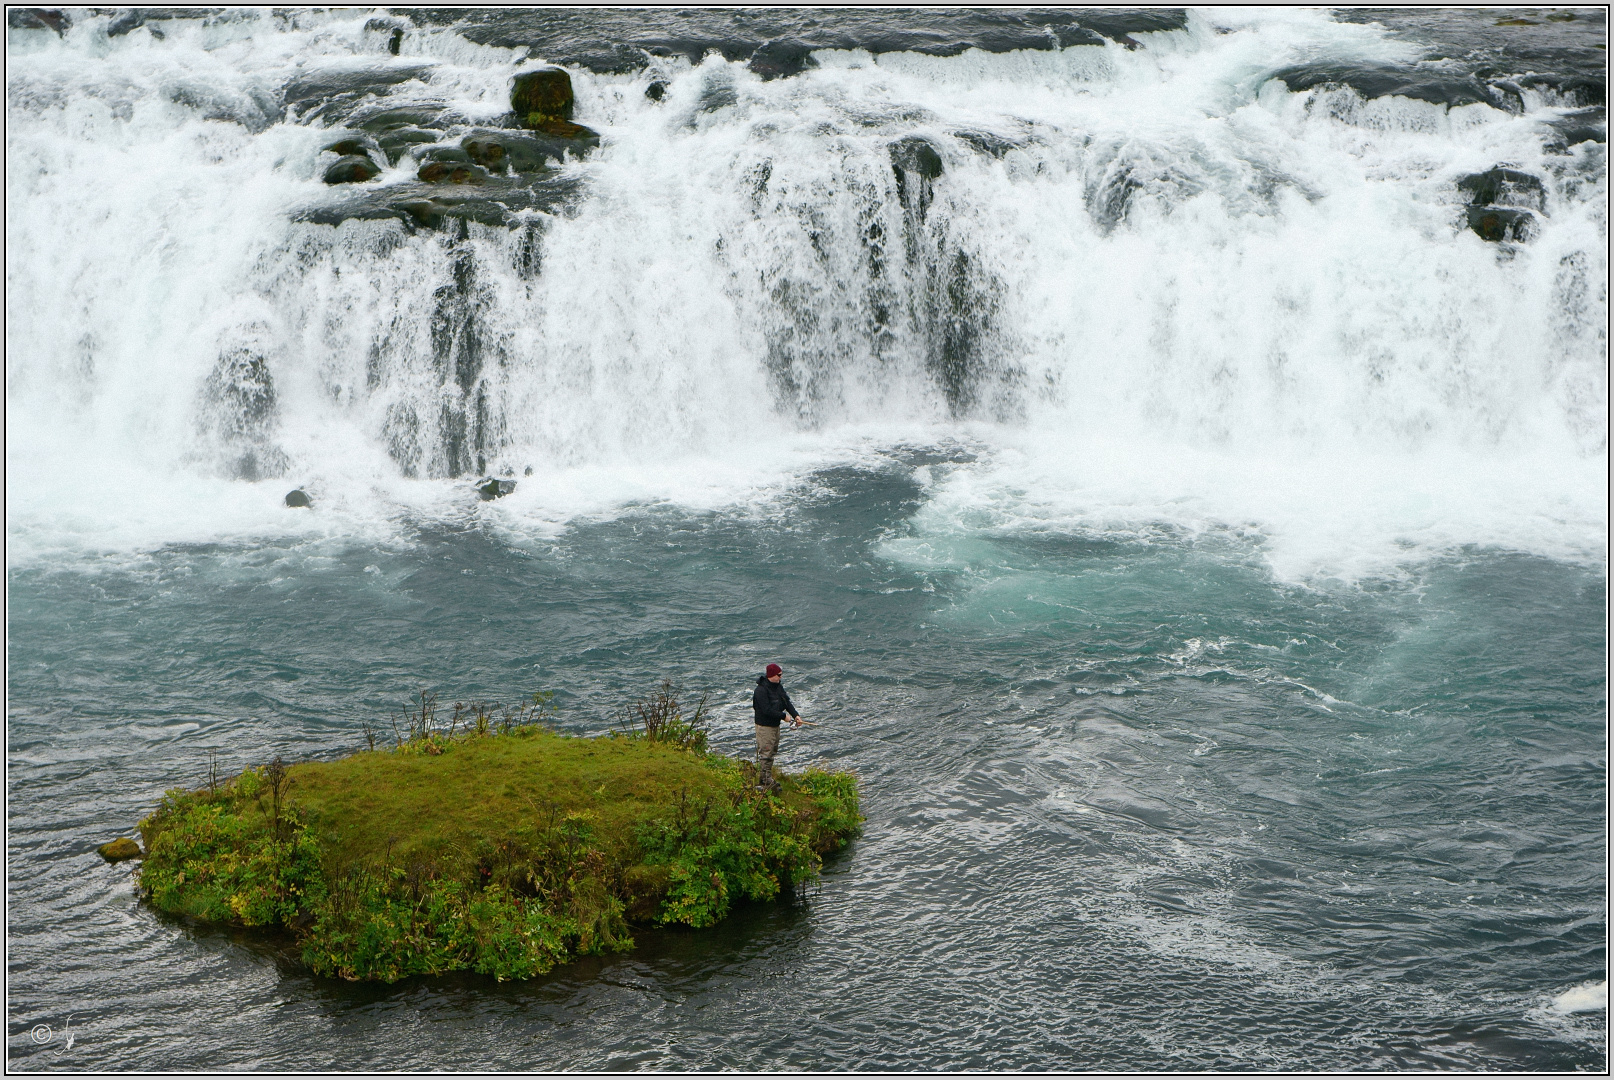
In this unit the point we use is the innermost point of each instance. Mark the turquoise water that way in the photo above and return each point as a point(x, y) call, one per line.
point(1132, 802)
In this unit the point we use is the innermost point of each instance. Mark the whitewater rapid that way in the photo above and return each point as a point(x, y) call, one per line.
point(1152, 289)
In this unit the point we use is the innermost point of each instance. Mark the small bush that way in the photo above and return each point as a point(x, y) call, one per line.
point(660, 718)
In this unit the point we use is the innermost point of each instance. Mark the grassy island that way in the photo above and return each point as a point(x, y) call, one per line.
point(490, 842)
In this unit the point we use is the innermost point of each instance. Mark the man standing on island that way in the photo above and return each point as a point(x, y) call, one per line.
point(771, 705)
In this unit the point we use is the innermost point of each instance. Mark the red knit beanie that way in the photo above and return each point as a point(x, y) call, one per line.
point(774, 669)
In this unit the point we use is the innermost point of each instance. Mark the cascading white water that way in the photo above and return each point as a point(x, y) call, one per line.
point(1149, 286)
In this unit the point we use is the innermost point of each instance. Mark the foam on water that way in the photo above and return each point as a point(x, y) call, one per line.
point(1587, 997)
point(1168, 297)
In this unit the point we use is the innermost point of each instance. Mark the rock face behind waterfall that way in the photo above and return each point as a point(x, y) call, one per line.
point(238, 411)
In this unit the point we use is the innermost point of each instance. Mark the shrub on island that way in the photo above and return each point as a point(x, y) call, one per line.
point(490, 842)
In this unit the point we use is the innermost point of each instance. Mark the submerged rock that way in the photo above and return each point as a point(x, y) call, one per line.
point(916, 163)
point(491, 489)
point(1385, 80)
point(498, 201)
point(1582, 125)
point(1497, 223)
point(782, 58)
point(1504, 187)
point(298, 497)
point(120, 849)
point(352, 169)
point(398, 130)
point(1500, 203)
point(334, 94)
point(656, 90)
point(38, 19)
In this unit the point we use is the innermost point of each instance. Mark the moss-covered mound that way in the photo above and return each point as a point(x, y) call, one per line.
point(504, 852)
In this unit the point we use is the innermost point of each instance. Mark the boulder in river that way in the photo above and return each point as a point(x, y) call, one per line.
point(544, 92)
point(298, 497)
point(452, 172)
point(352, 169)
point(1503, 187)
point(491, 489)
point(542, 98)
point(120, 849)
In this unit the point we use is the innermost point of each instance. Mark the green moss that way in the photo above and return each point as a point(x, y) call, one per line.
point(500, 853)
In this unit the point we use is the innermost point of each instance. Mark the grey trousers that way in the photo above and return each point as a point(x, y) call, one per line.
point(767, 746)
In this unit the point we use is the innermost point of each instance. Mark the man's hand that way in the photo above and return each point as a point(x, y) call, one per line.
point(796, 720)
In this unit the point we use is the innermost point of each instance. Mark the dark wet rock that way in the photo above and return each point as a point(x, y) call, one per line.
point(392, 28)
point(528, 472)
point(1574, 89)
point(1382, 80)
point(717, 92)
point(987, 143)
point(451, 172)
point(498, 201)
point(564, 134)
point(491, 489)
point(1583, 125)
point(782, 58)
point(333, 94)
point(399, 129)
point(499, 151)
point(1503, 187)
point(133, 19)
point(361, 147)
point(618, 41)
point(544, 92)
point(656, 90)
point(1498, 223)
point(352, 169)
point(242, 386)
point(38, 19)
point(120, 849)
point(298, 497)
point(916, 163)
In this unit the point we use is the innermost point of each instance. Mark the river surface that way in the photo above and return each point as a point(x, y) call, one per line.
point(1186, 526)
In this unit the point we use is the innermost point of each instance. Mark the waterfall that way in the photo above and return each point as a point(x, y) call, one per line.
point(1089, 261)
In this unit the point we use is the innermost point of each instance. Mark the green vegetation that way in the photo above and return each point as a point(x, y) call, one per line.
point(490, 842)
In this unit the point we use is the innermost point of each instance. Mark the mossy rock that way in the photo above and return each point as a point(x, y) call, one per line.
point(357, 147)
point(120, 849)
point(546, 91)
point(492, 488)
point(556, 128)
point(448, 172)
point(500, 151)
point(1499, 223)
point(352, 169)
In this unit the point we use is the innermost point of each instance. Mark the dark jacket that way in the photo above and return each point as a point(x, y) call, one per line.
point(770, 702)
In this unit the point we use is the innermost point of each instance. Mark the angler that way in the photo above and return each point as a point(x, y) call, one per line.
point(771, 705)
